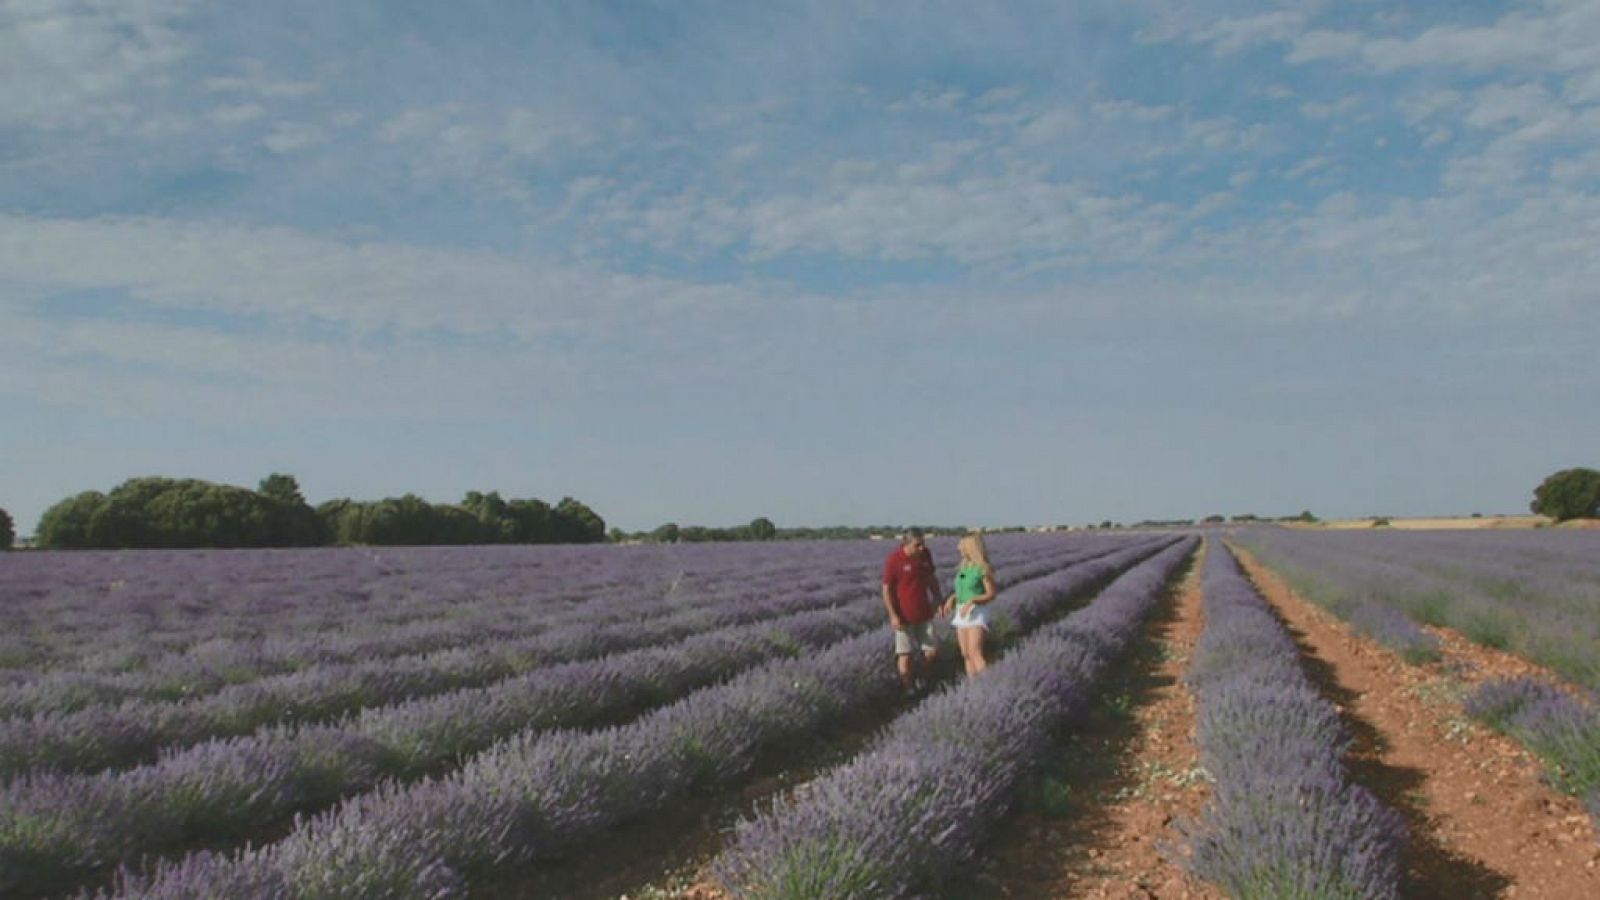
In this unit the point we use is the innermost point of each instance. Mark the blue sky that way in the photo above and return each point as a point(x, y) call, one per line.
point(824, 262)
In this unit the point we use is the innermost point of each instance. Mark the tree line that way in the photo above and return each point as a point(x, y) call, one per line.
point(188, 512)
point(170, 512)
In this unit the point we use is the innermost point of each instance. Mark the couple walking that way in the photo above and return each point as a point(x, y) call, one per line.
point(911, 594)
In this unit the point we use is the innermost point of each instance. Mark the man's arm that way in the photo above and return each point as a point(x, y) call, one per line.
point(930, 577)
point(888, 604)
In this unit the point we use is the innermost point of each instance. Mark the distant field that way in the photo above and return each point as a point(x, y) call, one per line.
point(1437, 522)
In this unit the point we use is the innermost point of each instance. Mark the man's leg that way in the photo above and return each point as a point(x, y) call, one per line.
point(904, 662)
point(930, 652)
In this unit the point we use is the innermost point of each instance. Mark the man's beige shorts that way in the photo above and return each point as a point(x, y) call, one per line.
point(906, 639)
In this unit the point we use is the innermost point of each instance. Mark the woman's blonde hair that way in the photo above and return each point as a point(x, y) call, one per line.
point(976, 550)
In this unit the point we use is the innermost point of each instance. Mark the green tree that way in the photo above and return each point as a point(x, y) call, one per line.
point(283, 488)
point(665, 534)
point(66, 524)
point(762, 529)
point(8, 532)
point(578, 524)
point(1569, 494)
point(533, 519)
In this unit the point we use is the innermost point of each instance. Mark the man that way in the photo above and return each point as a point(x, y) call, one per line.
point(910, 595)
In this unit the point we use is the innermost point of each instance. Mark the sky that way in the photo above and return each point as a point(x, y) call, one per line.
point(825, 262)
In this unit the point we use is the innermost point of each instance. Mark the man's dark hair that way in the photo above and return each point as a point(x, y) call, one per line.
point(912, 534)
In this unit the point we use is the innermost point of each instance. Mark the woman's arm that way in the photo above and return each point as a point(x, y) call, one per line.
point(988, 589)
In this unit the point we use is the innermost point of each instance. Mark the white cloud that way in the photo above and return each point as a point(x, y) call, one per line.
point(744, 153)
point(1001, 96)
point(238, 115)
point(70, 62)
point(941, 101)
point(292, 137)
point(1500, 105)
point(1307, 166)
point(1232, 35)
point(289, 277)
point(483, 147)
point(1551, 37)
point(1136, 112)
point(1336, 109)
point(257, 83)
point(1051, 126)
point(1438, 137)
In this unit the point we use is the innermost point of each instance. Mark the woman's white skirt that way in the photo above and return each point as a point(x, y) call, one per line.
point(970, 616)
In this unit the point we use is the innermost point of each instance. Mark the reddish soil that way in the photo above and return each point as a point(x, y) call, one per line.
point(1134, 779)
point(1482, 822)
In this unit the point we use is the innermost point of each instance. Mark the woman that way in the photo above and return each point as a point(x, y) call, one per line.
point(974, 589)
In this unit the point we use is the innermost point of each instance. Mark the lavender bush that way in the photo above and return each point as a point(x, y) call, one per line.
point(1562, 729)
point(1395, 630)
point(1283, 821)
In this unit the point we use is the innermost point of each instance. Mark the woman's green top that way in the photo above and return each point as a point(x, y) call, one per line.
point(969, 583)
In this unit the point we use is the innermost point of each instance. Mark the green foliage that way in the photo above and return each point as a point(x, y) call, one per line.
point(66, 524)
point(1051, 797)
point(479, 519)
point(762, 529)
point(167, 512)
point(1569, 494)
point(8, 532)
point(281, 487)
point(577, 524)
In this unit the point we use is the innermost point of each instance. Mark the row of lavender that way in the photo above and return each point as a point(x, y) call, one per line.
point(1535, 593)
point(1538, 593)
point(135, 732)
point(536, 796)
point(57, 830)
point(1284, 819)
point(906, 814)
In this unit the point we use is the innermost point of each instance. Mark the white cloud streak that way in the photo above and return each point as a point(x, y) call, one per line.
point(68, 62)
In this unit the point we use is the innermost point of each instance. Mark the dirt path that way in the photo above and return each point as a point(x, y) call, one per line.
point(1133, 777)
point(1482, 822)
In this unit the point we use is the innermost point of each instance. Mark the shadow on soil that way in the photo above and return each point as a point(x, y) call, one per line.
point(1433, 871)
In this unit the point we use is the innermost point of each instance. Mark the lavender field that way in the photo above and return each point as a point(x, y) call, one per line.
point(458, 722)
point(419, 722)
point(1535, 594)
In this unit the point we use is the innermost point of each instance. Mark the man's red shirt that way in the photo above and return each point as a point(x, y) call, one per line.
point(911, 581)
